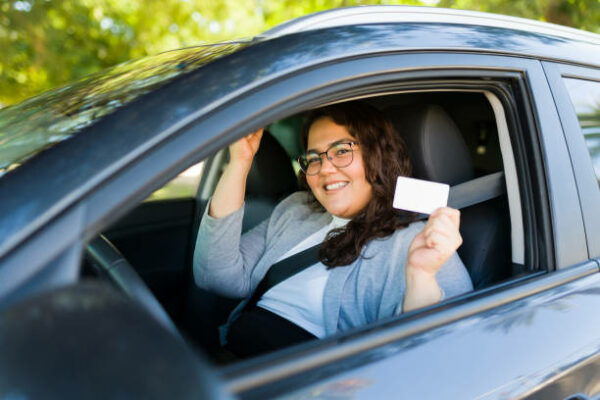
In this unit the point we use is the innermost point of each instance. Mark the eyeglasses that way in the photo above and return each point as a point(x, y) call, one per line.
point(339, 154)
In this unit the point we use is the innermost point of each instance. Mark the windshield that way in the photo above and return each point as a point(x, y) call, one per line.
point(38, 123)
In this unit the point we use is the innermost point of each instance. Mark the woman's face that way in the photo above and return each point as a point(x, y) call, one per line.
point(344, 192)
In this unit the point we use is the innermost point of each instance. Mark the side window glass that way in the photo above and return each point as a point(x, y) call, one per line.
point(585, 96)
point(184, 185)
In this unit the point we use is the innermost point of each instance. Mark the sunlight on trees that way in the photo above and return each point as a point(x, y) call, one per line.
point(48, 43)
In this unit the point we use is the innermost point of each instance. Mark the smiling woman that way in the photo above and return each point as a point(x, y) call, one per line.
point(291, 295)
point(368, 189)
point(342, 189)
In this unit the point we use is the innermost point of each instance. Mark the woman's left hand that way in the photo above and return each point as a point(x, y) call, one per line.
point(428, 251)
point(434, 245)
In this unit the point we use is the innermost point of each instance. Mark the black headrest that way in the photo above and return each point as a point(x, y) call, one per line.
point(271, 174)
point(438, 150)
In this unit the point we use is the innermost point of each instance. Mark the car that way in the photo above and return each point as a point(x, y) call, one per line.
point(104, 181)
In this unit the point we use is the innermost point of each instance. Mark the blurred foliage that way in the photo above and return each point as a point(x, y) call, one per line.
point(48, 43)
point(581, 14)
point(53, 116)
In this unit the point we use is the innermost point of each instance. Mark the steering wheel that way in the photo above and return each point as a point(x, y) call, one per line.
point(111, 265)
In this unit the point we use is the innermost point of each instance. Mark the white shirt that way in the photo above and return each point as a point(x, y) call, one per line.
point(299, 298)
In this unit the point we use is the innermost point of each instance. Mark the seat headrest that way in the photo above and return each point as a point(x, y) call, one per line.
point(438, 150)
point(271, 174)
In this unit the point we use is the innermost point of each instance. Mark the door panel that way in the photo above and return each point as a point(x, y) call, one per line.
point(545, 343)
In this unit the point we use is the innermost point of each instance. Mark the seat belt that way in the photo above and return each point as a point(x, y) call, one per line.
point(284, 269)
point(473, 192)
point(477, 190)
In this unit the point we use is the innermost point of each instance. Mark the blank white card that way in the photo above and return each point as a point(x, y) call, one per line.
point(420, 196)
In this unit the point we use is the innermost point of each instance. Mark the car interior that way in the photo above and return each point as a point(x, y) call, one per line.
point(453, 137)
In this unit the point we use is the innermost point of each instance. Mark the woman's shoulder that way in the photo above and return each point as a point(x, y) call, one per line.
point(297, 198)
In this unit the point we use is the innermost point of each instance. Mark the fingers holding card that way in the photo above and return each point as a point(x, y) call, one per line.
point(440, 237)
point(436, 243)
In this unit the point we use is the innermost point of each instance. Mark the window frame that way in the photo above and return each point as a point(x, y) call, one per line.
point(587, 182)
point(245, 377)
point(500, 299)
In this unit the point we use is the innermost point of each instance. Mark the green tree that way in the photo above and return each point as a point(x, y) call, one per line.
point(48, 43)
point(45, 44)
point(581, 14)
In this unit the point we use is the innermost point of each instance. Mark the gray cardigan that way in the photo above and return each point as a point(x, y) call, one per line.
point(372, 287)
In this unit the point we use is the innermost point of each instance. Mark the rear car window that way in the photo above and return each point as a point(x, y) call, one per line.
point(185, 185)
point(585, 96)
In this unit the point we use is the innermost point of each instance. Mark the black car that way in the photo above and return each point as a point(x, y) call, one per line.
point(95, 211)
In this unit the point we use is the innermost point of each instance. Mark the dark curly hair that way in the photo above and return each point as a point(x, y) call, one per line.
point(385, 157)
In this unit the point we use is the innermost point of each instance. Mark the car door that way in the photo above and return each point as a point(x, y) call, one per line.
point(499, 342)
point(504, 341)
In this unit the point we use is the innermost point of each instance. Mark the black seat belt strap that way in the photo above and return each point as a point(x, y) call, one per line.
point(284, 269)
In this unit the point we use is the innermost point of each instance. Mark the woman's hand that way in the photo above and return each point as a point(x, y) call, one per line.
point(243, 150)
point(229, 193)
point(434, 245)
point(428, 251)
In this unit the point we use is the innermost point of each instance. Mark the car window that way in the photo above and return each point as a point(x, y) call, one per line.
point(155, 237)
point(585, 96)
point(182, 186)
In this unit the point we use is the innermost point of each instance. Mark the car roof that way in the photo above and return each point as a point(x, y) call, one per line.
point(384, 14)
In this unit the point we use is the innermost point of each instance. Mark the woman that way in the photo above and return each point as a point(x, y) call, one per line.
point(372, 263)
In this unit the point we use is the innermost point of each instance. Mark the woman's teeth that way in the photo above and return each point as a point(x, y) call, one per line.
point(334, 186)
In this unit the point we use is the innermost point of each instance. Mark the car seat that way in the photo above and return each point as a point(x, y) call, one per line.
point(439, 153)
point(270, 179)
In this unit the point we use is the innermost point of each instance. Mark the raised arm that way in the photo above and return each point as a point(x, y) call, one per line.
point(223, 260)
point(428, 251)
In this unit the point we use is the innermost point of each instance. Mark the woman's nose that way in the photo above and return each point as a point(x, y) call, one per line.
point(327, 166)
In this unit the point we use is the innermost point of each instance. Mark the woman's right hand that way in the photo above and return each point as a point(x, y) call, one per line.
point(229, 193)
point(244, 149)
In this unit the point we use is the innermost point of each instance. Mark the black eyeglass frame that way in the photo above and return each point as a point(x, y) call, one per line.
point(304, 164)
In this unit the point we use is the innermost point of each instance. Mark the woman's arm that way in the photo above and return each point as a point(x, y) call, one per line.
point(428, 251)
point(229, 193)
point(222, 260)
